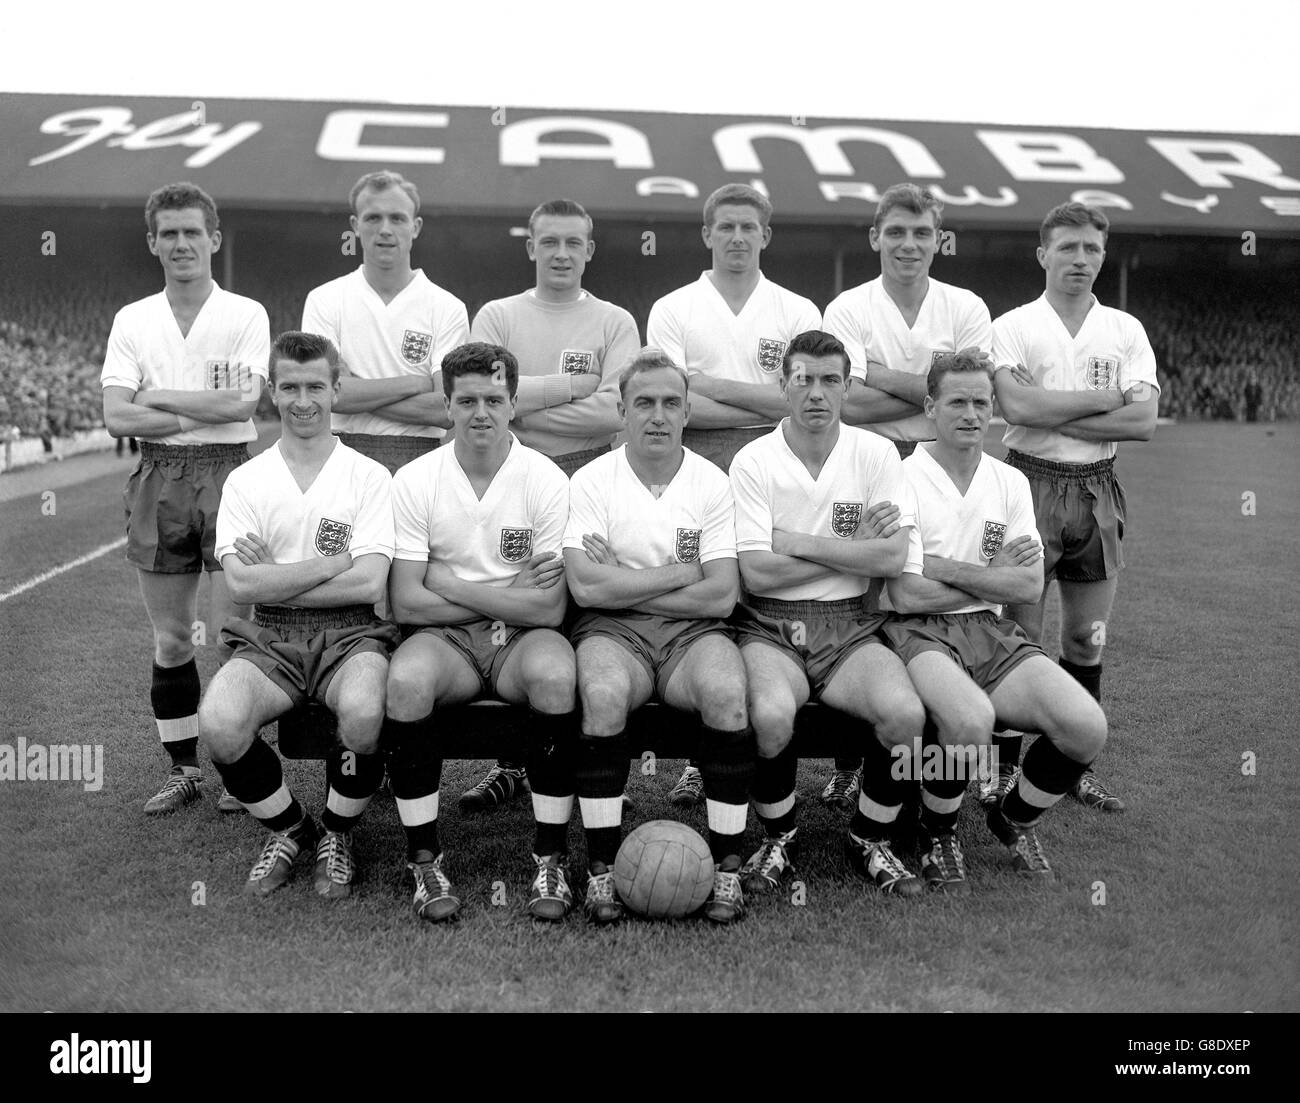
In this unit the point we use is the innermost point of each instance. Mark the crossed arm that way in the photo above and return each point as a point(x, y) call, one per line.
point(130, 413)
point(253, 577)
point(878, 550)
point(432, 593)
point(1013, 576)
point(686, 590)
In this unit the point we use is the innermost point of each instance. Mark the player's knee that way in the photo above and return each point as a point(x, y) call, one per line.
point(902, 721)
point(604, 707)
point(1087, 732)
point(1082, 643)
point(773, 720)
point(173, 645)
point(723, 706)
point(359, 730)
point(221, 732)
point(973, 728)
point(410, 694)
point(552, 689)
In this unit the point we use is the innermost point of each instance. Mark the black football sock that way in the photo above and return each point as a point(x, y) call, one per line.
point(941, 796)
point(601, 773)
point(1045, 778)
point(774, 781)
point(415, 772)
point(727, 766)
point(1008, 745)
point(882, 794)
point(174, 693)
point(257, 782)
point(1087, 676)
point(552, 744)
point(352, 779)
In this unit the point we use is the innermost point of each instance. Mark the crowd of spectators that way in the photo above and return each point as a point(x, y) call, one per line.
point(1234, 357)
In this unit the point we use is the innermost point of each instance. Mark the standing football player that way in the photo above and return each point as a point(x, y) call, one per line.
point(479, 583)
point(571, 347)
point(391, 325)
point(305, 533)
point(650, 554)
point(975, 548)
point(182, 372)
point(893, 327)
point(1073, 378)
point(821, 518)
point(729, 330)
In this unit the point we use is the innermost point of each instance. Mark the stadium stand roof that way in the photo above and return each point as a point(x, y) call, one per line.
point(288, 155)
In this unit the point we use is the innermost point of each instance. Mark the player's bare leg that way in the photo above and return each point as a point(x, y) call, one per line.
point(611, 683)
point(239, 701)
point(170, 601)
point(425, 672)
point(223, 608)
point(963, 723)
point(710, 680)
point(354, 770)
point(1085, 616)
point(1039, 696)
point(777, 690)
point(541, 672)
point(873, 685)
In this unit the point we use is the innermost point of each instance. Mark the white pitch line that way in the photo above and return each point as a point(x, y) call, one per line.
point(103, 549)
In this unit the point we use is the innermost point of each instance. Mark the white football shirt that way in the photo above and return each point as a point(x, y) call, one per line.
point(774, 490)
point(228, 344)
point(347, 508)
point(871, 327)
point(692, 520)
point(439, 518)
point(972, 527)
point(1111, 351)
point(695, 326)
point(378, 340)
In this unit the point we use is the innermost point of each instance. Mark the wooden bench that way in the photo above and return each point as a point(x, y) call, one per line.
point(486, 729)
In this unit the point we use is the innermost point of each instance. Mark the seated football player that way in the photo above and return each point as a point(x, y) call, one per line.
point(478, 586)
point(975, 548)
point(305, 532)
point(650, 555)
point(820, 517)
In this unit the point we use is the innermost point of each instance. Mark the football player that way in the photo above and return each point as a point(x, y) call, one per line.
point(975, 548)
point(894, 326)
point(729, 330)
point(391, 325)
point(1074, 377)
point(182, 372)
point(821, 518)
point(571, 347)
point(650, 555)
point(305, 533)
point(479, 584)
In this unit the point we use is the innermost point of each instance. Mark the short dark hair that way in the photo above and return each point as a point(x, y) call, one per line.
point(479, 358)
point(1073, 214)
point(381, 181)
point(911, 197)
point(559, 208)
point(649, 359)
point(950, 363)
point(739, 195)
point(302, 348)
point(814, 344)
point(181, 197)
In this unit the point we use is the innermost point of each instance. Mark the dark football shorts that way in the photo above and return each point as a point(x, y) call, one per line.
point(391, 450)
point(171, 502)
point(721, 445)
point(657, 643)
point(818, 635)
point(987, 647)
point(301, 650)
point(575, 461)
point(1081, 511)
point(484, 644)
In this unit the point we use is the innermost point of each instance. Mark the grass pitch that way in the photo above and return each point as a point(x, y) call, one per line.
point(99, 911)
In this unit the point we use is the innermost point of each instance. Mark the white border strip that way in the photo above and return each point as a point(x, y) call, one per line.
point(103, 549)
